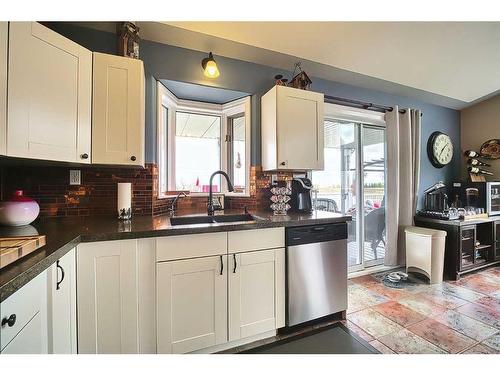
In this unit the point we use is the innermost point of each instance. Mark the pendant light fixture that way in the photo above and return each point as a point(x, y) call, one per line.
point(209, 66)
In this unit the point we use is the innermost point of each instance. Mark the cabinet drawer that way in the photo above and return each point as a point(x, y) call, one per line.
point(256, 239)
point(190, 246)
point(25, 304)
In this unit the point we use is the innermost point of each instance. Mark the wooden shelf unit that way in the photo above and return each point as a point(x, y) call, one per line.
point(461, 253)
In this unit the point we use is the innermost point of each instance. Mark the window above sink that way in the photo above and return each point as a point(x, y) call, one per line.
point(197, 138)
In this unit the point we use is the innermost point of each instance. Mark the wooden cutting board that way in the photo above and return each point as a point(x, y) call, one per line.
point(14, 248)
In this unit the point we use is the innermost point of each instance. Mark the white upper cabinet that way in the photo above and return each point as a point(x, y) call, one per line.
point(49, 95)
point(62, 305)
point(118, 110)
point(292, 129)
point(4, 26)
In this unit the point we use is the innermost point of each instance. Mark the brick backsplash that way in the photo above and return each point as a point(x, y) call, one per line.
point(96, 195)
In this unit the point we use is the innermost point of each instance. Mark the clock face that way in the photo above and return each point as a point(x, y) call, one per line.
point(440, 149)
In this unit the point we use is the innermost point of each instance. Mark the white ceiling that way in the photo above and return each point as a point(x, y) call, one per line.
point(457, 60)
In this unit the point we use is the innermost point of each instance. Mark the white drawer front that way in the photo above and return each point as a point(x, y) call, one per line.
point(256, 239)
point(191, 246)
point(25, 304)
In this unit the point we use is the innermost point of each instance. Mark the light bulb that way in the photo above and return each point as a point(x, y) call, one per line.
point(211, 70)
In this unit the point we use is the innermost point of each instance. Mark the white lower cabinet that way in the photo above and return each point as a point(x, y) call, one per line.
point(192, 304)
point(219, 298)
point(62, 305)
point(256, 286)
point(107, 297)
point(110, 275)
point(24, 319)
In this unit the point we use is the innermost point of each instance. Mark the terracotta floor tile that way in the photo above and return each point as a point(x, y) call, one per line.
point(389, 293)
point(422, 305)
point(495, 294)
point(359, 298)
point(450, 317)
point(374, 323)
point(366, 279)
point(480, 349)
point(458, 291)
point(442, 336)
point(478, 283)
point(406, 342)
point(444, 299)
point(381, 347)
point(493, 342)
point(489, 301)
point(482, 313)
point(360, 332)
point(398, 313)
point(465, 325)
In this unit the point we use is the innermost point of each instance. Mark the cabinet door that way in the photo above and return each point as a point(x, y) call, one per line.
point(256, 292)
point(30, 340)
point(107, 297)
point(192, 304)
point(118, 110)
point(4, 26)
point(299, 129)
point(49, 92)
point(28, 306)
point(62, 305)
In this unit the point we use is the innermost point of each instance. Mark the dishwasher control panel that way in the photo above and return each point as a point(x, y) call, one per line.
point(315, 233)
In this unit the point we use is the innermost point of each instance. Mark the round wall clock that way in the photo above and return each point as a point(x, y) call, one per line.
point(439, 149)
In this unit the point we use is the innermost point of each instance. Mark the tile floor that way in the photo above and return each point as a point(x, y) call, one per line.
point(453, 317)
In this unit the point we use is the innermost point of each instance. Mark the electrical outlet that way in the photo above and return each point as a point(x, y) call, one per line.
point(75, 177)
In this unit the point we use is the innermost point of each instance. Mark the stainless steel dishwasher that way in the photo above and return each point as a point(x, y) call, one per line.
point(316, 259)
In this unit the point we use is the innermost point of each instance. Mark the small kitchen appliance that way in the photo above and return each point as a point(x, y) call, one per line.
point(436, 199)
point(481, 197)
point(301, 195)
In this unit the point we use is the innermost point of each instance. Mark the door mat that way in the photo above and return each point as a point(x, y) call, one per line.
point(335, 339)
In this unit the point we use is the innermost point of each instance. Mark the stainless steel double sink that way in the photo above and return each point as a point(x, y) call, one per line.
point(216, 219)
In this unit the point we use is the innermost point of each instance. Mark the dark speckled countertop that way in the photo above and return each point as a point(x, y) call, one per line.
point(63, 234)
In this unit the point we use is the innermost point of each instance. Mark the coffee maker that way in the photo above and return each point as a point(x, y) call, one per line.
point(301, 195)
point(436, 199)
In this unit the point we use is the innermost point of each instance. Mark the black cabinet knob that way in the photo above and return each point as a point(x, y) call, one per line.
point(283, 163)
point(84, 156)
point(10, 321)
point(133, 158)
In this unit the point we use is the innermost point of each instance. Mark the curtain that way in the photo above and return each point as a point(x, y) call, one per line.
point(403, 175)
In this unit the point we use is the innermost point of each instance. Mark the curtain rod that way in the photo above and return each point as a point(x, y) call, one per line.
point(359, 104)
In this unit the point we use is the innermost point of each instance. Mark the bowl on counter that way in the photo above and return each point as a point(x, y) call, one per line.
point(18, 210)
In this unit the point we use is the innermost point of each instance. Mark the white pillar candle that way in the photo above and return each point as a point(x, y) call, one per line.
point(124, 200)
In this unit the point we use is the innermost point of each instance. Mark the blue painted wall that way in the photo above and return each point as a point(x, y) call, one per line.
point(179, 64)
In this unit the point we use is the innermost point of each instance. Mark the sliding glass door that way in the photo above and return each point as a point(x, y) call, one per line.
point(353, 183)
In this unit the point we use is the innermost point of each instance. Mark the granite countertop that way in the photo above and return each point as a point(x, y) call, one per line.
point(63, 234)
point(459, 223)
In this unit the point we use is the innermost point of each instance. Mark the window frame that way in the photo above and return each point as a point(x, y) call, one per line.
point(166, 137)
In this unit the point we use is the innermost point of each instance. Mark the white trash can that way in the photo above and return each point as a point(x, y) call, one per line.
point(425, 252)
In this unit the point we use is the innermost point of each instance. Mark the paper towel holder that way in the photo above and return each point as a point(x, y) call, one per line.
point(124, 200)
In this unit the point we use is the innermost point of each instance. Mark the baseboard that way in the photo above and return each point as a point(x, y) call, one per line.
point(233, 344)
point(371, 270)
